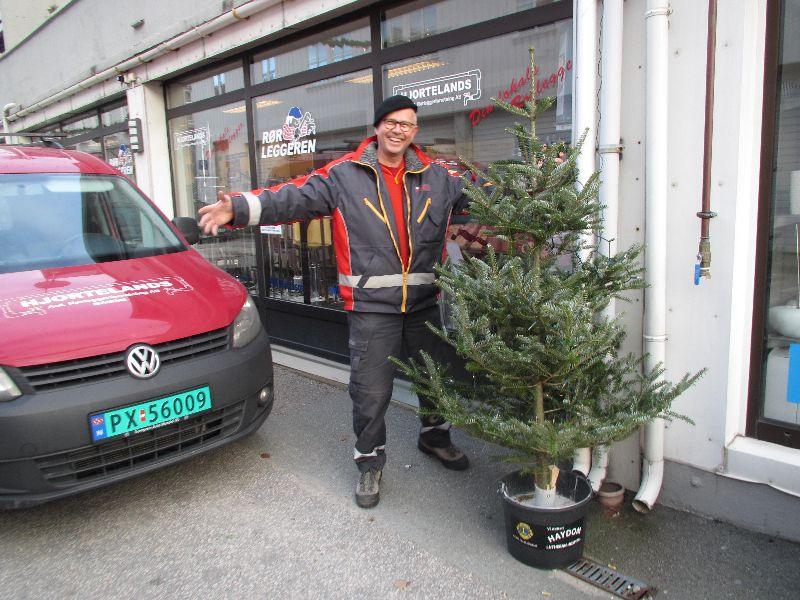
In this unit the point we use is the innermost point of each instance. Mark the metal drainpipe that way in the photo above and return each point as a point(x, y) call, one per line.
point(584, 37)
point(610, 149)
point(582, 460)
point(6, 130)
point(656, 132)
point(706, 214)
point(599, 466)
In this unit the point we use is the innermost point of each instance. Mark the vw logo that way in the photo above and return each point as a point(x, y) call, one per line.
point(142, 361)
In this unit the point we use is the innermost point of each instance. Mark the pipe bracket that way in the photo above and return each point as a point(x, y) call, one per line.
point(610, 149)
point(658, 12)
point(706, 214)
point(654, 338)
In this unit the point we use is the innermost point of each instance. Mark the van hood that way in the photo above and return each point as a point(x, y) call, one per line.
point(68, 313)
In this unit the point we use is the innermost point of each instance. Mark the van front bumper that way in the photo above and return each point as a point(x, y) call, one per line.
point(46, 449)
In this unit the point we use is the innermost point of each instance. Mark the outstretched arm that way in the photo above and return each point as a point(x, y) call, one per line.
point(307, 197)
point(215, 215)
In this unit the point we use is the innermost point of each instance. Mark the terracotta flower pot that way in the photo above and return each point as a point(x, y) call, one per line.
point(611, 495)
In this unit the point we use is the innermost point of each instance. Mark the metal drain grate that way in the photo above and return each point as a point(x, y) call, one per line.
point(608, 579)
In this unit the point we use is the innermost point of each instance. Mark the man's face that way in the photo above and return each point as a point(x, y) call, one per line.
point(396, 132)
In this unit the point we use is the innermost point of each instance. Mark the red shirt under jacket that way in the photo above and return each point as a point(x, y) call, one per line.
point(393, 176)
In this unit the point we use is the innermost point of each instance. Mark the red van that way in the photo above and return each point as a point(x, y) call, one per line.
point(122, 349)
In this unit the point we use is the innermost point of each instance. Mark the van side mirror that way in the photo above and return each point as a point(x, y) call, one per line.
point(188, 228)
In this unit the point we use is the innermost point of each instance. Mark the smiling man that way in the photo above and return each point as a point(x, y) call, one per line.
point(390, 206)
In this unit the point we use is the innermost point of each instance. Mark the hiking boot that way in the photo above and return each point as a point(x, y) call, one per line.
point(450, 456)
point(368, 488)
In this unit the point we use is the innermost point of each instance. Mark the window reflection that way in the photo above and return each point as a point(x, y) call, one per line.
point(84, 125)
point(334, 45)
point(299, 130)
point(782, 337)
point(421, 19)
point(457, 119)
point(233, 251)
point(209, 153)
point(93, 147)
point(115, 116)
point(118, 152)
point(208, 84)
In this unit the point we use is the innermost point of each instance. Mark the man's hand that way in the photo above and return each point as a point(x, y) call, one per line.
point(215, 215)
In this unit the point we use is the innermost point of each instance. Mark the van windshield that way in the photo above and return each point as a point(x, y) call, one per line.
point(49, 221)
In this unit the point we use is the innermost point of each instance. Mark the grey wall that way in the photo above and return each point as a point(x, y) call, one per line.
point(89, 36)
point(22, 17)
point(747, 504)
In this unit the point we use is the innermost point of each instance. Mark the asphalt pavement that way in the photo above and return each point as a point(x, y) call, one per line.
point(272, 516)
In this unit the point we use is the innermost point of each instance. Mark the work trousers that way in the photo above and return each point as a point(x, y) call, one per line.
point(374, 337)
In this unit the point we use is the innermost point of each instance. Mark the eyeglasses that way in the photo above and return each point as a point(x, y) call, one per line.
point(405, 126)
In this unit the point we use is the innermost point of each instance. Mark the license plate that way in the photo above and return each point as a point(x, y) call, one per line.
point(149, 415)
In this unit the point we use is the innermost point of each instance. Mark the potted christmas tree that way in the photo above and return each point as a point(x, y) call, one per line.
point(548, 374)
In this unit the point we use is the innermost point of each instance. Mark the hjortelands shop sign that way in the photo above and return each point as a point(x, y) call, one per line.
point(289, 139)
point(464, 87)
point(193, 137)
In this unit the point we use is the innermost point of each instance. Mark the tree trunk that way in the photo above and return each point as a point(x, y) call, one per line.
point(544, 484)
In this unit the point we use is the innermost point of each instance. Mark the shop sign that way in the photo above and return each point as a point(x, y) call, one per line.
point(464, 87)
point(135, 134)
point(295, 137)
point(193, 137)
point(513, 93)
point(123, 162)
point(95, 295)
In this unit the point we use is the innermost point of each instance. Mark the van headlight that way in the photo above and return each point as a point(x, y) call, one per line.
point(246, 325)
point(8, 389)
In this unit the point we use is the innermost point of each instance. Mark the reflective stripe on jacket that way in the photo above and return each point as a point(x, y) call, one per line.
point(351, 190)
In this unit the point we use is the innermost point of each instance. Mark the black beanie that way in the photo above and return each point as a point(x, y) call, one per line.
point(391, 104)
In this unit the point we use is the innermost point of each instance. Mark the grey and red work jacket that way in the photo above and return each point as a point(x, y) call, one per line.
point(352, 191)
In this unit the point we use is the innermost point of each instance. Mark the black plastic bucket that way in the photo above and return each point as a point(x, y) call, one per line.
point(547, 538)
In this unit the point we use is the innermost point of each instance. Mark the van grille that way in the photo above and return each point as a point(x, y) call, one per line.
point(116, 457)
point(105, 366)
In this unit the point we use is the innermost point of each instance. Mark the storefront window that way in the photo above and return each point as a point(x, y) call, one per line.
point(781, 392)
point(81, 126)
point(93, 146)
point(54, 128)
point(209, 153)
point(453, 89)
point(326, 48)
point(233, 251)
point(208, 84)
point(299, 130)
point(300, 122)
point(104, 135)
point(118, 152)
point(115, 116)
point(422, 19)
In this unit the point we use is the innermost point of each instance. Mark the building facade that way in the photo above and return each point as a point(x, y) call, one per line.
point(188, 98)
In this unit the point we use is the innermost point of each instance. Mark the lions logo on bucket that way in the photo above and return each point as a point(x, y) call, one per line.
point(524, 530)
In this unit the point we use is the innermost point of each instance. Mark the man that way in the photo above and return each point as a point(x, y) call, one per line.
point(390, 206)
